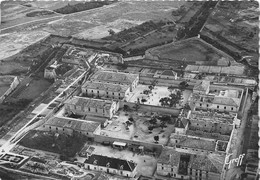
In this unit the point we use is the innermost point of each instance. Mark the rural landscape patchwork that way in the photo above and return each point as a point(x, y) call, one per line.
point(129, 90)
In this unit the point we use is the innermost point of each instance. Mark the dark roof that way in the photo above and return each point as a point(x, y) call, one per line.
point(211, 162)
point(111, 162)
point(169, 156)
point(179, 124)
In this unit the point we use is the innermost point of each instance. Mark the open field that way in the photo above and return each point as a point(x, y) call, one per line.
point(237, 27)
point(90, 24)
point(158, 37)
point(13, 43)
point(15, 13)
point(146, 165)
point(189, 51)
point(138, 130)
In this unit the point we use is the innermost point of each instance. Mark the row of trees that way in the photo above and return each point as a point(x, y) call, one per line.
point(81, 7)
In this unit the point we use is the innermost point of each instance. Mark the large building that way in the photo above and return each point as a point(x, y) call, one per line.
point(105, 90)
point(121, 78)
point(178, 164)
point(220, 98)
point(70, 126)
point(110, 165)
point(91, 107)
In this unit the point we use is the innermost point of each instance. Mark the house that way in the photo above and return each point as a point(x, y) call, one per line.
point(166, 74)
point(194, 144)
point(202, 87)
point(206, 167)
point(220, 98)
point(70, 126)
point(168, 163)
point(181, 126)
point(105, 90)
point(91, 107)
point(110, 165)
point(50, 73)
point(186, 165)
point(128, 79)
point(212, 121)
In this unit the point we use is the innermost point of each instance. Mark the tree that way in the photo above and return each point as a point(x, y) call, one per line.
point(128, 123)
point(111, 32)
point(162, 125)
point(131, 119)
point(143, 100)
point(178, 93)
point(151, 87)
point(183, 85)
point(171, 89)
point(146, 92)
point(156, 138)
point(165, 101)
point(165, 118)
point(174, 99)
point(187, 107)
point(153, 120)
point(150, 128)
point(136, 107)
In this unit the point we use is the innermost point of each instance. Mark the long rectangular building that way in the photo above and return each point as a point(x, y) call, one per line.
point(92, 107)
point(121, 78)
point(105, 90)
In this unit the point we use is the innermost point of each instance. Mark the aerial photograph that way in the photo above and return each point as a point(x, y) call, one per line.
point(129, 90)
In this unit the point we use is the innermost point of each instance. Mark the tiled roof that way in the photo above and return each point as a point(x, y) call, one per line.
point(90, 102)
point(195, 143)
point(202, 86)
point(110, 162)
point(168, 73)
point(210, 162)
point(117, 77)
point(106, 86)
point(179, 123)
point(211, 115)
point(80, 125)
point(169, 156)
point(226, 101)
point(208, 135)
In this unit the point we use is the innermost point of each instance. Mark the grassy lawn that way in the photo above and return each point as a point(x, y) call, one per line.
point(47, 141)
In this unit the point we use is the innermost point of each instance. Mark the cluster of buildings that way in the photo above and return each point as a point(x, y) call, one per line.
point(74, 56)
point(110, 85)
point(200, 141)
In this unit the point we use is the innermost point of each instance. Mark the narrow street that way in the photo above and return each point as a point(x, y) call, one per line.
point(237, 147)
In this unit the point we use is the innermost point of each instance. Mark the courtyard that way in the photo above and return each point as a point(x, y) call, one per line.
point(138, 127)
point(153, 98)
